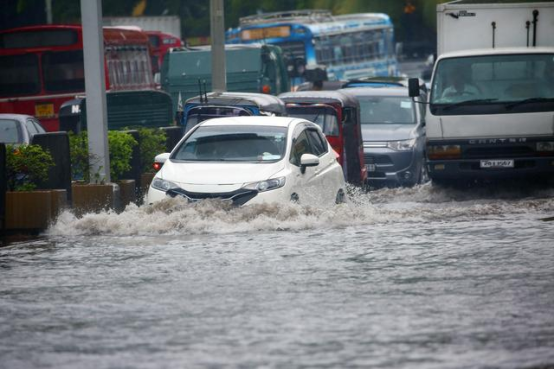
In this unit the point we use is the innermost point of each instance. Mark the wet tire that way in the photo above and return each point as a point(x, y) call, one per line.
point(341, 197)
point(294, 198)
point(423, 175)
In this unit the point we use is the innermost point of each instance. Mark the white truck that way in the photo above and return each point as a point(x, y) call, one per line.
point(491, 107)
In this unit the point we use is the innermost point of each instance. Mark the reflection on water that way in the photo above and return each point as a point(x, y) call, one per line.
point(420, 277)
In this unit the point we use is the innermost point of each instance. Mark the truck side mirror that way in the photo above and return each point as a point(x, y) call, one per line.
point(413, 87)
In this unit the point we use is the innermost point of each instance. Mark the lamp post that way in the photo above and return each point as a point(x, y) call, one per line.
point(95, 89)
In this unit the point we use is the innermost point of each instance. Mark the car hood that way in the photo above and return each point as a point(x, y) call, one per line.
point(207, 176)
point(387, 132)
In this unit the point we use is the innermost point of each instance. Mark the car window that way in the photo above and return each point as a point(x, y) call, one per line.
point(10, 132)
point(386, 109)
point(31, 128)
point(233, 143)
point(39, 128)
point(300, 145)
point(319, 144)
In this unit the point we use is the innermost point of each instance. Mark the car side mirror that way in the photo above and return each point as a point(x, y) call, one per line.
point(413, 87)
point(308, 160)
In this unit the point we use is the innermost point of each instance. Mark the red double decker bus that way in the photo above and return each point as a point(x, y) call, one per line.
point(41, 67)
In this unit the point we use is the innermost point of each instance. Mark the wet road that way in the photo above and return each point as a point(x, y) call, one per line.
point(420, 277)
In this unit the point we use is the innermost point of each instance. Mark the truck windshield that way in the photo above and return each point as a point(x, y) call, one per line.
point(234, 143)
point(494, 80)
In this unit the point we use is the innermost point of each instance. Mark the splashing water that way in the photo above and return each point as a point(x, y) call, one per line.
point(423, 203)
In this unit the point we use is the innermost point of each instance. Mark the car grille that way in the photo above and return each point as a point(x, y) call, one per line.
point(238, 197)
point(379, 159)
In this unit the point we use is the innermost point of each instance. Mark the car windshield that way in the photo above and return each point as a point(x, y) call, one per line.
point(386, 109)
point(490, 79)
point(233, 143)
point(9, 131)
point(326, 118)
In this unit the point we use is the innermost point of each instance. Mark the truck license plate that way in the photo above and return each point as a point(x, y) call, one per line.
point(497, 163)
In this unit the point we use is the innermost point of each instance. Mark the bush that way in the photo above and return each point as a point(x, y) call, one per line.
point(26, 166)
point(152, 143)
point(120, 146)
point(121, 149)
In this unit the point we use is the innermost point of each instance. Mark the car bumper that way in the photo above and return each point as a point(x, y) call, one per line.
point(470, 168)
point(386, 167)
point(238, 198)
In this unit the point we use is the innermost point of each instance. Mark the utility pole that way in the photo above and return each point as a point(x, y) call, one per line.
point(95, 90)
point(49, 11)
point(217, 32)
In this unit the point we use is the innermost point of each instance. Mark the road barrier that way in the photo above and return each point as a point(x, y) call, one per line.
point(59, 176)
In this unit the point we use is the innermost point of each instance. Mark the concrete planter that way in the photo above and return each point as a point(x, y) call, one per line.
point(127, 193)
point(93, 198)
point(59, 202)
point(28, 210)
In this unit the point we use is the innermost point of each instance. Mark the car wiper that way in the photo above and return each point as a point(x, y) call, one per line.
point(468, 102)
point(527, 101)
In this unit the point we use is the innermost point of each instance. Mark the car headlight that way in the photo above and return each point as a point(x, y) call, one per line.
point(402, 144)
point(163, 185)
point(266, 185)
point(545, 146)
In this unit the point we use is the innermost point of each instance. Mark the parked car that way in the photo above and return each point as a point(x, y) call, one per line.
point(393, 130)
point(19, 128)
point(248, 160)
point(338, 115)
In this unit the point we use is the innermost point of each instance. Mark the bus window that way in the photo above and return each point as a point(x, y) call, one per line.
point(19, 75)
point(37, 39)
point(63, 71)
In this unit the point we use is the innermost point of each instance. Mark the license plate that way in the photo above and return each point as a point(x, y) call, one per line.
point(497, 163)
point(44, 110)
point(371, 167)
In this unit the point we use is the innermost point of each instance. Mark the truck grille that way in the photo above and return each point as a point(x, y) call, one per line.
point(499, 152)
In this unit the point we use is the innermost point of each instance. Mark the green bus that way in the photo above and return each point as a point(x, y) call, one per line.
point(258, 68)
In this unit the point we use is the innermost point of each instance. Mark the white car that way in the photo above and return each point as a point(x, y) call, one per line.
point(249, 160)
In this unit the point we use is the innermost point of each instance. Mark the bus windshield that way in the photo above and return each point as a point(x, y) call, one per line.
point(493, 78)
point(19, 75)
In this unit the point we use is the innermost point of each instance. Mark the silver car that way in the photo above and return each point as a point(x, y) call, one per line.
point(393, 131)
point(19, 128)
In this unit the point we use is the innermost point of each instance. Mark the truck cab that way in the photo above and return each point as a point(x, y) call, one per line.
point(491, 114)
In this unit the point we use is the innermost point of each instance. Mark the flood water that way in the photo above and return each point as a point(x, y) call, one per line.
point(422, 277)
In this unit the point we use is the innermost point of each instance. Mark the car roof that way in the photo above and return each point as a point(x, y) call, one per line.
point(376, 91)
point(253, 121)
point(15, 117)
point(264, 101)
point(319, 97)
